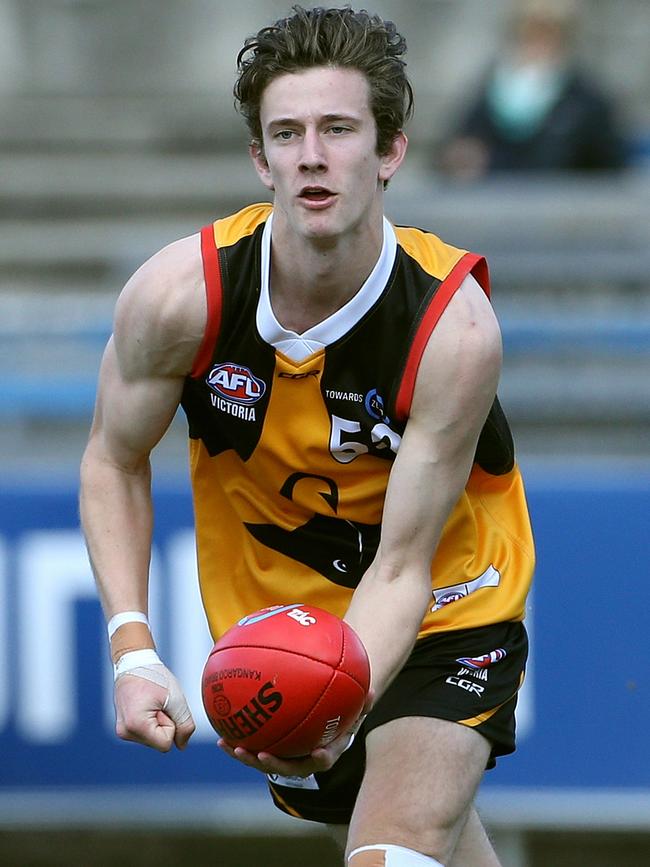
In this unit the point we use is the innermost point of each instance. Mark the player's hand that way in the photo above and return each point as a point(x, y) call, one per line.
point(153, 713)
point(321, 759)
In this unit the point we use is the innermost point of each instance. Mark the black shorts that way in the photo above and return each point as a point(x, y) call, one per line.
point(468, 676)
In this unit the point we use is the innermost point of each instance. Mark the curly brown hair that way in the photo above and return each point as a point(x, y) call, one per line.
point(329, 37)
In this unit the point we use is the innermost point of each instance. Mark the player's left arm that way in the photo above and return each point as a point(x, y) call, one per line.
point(454, 390)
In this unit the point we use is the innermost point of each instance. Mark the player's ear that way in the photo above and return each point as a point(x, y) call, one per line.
point(256, 151)
point(394, 156)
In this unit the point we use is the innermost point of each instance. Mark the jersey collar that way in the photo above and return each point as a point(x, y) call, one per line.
point(301, 346)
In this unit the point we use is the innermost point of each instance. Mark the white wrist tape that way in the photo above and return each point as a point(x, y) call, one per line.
point(123, 617)
point(134, 659)
point(147, 665)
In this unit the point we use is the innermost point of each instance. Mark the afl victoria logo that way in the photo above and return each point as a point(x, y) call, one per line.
point(236, 383)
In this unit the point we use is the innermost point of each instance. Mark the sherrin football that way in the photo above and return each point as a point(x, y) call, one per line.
point(285, 680)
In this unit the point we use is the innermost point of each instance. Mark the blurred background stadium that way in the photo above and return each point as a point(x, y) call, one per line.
point(118, 135)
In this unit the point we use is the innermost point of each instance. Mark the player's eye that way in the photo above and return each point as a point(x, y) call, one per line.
point(284, 134)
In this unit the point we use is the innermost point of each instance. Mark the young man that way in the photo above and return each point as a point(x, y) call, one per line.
point(347, 449)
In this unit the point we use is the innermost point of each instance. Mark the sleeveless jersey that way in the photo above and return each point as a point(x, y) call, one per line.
point(290, 459)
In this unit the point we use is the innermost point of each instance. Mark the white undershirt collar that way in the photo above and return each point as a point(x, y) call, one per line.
point(300, 346)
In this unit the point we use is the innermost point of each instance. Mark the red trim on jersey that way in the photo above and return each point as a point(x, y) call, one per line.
point(470, 263)
point(213, 295)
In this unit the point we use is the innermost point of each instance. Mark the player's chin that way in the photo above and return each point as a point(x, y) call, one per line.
point(324, 225)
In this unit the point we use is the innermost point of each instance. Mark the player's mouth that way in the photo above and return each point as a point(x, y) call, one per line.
point(316, 197)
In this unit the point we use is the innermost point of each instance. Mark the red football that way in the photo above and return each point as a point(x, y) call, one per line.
point(285, 680)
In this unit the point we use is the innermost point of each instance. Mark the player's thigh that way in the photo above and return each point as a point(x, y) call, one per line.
point(421, 777)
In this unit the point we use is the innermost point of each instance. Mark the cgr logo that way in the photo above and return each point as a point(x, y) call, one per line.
point(468, 685)
point(304, 375)
point(236, 383)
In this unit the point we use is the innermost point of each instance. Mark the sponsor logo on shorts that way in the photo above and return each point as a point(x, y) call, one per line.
point(476, 667)
point(477, 674)
point(485, 660)
point(467, 685)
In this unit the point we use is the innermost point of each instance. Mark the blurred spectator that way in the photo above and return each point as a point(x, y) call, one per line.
point(537, 110)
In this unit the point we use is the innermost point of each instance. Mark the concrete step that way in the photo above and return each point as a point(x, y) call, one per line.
point(115, 184)
point(97, 212)
point(158, 121)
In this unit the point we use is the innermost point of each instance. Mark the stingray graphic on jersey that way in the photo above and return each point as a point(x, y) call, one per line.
point(338, 549)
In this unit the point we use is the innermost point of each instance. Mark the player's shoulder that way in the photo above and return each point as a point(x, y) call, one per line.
point(463, 355)
point(161, 311)
point(231, 229)
point(433, 254)
point(168, 278)
point(468, 324)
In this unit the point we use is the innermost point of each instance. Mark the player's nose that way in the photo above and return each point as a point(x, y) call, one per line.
point(312, 153)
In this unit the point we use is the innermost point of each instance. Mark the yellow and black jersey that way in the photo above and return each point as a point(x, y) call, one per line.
point(290, 451)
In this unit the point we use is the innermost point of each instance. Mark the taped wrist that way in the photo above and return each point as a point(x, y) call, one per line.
point(123, 617)
point(129, 631)
point(140, 663)
point(147, 665)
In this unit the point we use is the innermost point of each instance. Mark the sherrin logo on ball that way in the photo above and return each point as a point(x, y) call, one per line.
point(285, 680)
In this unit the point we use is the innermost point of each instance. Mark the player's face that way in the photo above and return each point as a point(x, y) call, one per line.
point(320, 152)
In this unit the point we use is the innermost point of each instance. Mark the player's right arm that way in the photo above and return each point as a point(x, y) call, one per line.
point(158, 326)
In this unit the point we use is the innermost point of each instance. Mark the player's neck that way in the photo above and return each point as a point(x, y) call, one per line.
point(308, 287)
